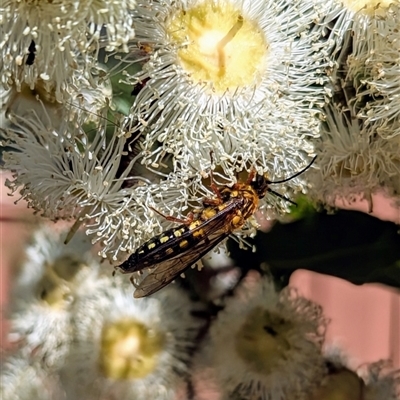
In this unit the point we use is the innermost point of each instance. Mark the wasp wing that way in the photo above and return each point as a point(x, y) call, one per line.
point(194, 233)
point(170, 249)
point(165, 272)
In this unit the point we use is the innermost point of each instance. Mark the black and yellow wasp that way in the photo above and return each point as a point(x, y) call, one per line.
point(169, 254)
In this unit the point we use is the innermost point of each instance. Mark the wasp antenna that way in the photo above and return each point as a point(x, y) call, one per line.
point(281, 196)
point(297, 173)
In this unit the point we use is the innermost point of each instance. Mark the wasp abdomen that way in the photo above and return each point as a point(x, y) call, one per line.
point(159, 248)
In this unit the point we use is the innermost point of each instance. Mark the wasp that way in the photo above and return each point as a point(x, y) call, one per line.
point(169, 254)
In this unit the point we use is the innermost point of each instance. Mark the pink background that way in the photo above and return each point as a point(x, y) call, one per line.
point(365, 320)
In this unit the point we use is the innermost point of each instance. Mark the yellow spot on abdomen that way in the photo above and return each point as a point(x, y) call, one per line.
point(169, 251)
point(183, 244)
point(178, 233)
point(164, 239)
point(198, 233)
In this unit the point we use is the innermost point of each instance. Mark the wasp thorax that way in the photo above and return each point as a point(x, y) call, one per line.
point(129, 349)
point(218, 45)
point(261, 342)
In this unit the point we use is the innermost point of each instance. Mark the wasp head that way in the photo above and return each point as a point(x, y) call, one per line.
point(260, 185)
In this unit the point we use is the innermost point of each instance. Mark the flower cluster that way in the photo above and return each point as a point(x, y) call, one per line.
point(243, 79)
point(78, 333)
point(128, 117)
point(65, 175)
point(372, 66)
point(353, 159)
point(375, 381)
point(359, 145)
point(195, 92)
point(261, 336)
point(46, 42)
point(381, 380)
point(260, 84)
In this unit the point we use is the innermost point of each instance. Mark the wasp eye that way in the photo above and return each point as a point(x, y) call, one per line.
point(260, 185)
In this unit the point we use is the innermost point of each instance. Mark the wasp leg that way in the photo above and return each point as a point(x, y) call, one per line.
point(216, 191)
point(132, 279)
point(207, 202)
point(187, 221)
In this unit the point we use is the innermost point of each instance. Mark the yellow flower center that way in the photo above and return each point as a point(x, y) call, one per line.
point(261, 341)
point(54, 293)
point(218, 45)
point(129, 350)
point(59, 282)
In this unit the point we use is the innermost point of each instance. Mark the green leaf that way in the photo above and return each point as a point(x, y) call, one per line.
point(349, 245)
